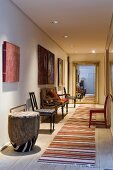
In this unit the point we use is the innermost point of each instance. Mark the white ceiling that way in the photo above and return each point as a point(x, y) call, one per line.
point(86, 22)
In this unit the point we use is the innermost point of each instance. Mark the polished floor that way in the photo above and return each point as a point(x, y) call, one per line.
point(88, 98)
point(11, 160)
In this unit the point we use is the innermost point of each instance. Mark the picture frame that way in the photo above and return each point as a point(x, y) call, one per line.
point(42, 65)
point(60, 72)
point(46, 66)
point(51, 63)
point(11, 62)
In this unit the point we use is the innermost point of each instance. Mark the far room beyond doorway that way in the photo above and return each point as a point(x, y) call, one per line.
point(86, 84)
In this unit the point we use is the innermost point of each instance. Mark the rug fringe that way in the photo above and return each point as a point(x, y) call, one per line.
point(71, 165)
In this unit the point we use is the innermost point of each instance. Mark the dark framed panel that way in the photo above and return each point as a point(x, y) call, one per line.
point(51, 61)
point(45, 66)
point(42, 65)
point(11, 62)
point(60, 72)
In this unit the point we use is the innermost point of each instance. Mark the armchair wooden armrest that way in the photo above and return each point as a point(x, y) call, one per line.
point(61, 94)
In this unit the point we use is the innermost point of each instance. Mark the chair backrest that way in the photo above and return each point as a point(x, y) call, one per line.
point(33, 101)
point(105, 104)
point(43, 97)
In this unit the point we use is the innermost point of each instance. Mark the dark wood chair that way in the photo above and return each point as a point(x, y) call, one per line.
point(43, 112)
point(67, 95)
point(99, 110)
point(50, 99)
point(79, 92)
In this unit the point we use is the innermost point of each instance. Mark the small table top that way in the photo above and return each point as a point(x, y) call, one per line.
point(24, 114)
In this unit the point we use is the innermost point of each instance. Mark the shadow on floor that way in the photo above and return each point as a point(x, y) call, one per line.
point(58, 118)
point(9, 151)
point(45, 131)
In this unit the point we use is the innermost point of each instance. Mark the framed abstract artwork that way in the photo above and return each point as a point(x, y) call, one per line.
point(45, 66)
point(50, 68)
point(42, 65)
point(60, 72)
point(11, 62)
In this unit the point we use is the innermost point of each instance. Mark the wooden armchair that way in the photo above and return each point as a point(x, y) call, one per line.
point(50, 99)
point(67, 95)
point(79, 92)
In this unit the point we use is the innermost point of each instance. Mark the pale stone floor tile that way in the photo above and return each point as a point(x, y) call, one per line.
point(60, 167)
point(34, 166)
point(74, 168)
point(46, 167)
point(105, 148)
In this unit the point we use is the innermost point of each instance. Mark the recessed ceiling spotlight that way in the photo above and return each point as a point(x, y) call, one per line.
point(55, 22)
point(65, 36)
point(93, 51)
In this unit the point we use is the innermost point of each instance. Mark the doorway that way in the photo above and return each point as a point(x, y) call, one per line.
point(86, 82)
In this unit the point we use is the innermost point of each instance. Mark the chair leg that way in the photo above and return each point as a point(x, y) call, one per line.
point(62, 112)
point(67, 108)
point(90, 119)
point(105, 119)
point(74, 102)
point(51, 124)
point(56, 108)
point(53, 120)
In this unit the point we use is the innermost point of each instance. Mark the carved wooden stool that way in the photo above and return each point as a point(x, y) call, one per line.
point(23, 128)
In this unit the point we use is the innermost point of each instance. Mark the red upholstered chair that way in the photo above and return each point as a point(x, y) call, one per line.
point(99, 110)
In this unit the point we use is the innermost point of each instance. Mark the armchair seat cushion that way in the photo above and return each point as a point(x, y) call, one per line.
point(64, 100)
point(97, 110)
point(55, 97)
point(52, 93)
point(61, 100)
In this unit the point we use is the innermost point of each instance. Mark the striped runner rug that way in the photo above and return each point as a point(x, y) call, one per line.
point(89, 99)
point(75, 142)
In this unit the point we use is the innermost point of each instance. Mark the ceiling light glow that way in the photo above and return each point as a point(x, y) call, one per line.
point(93, 51)
point(54, 22)
point(65, 36)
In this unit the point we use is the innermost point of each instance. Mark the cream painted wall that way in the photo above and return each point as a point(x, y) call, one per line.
point(91, 58)
point(16, 28)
